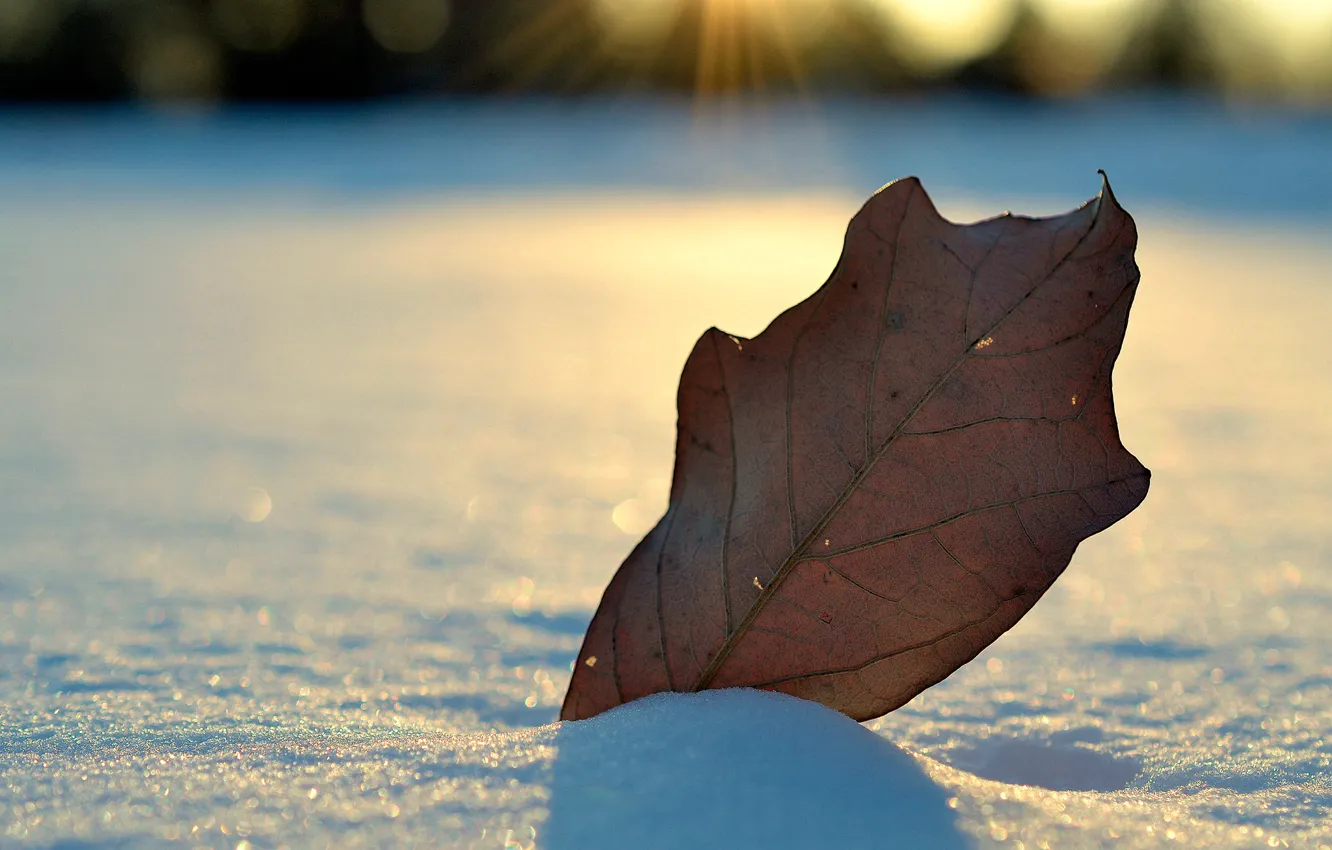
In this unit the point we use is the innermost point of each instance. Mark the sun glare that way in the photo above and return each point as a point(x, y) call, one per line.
point(1059, 46)
point(742, 44)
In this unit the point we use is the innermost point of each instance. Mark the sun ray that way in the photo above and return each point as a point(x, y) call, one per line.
point(790, 53)
point(716, 49)
point(560, 30)
point(749, 45)
point(637, 32)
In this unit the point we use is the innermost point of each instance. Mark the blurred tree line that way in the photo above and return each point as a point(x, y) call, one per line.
point(338, 49)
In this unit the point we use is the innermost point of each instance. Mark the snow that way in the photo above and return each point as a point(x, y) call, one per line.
point(738, 768)
point(310, 483)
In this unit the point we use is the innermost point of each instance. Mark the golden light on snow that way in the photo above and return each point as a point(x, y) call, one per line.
point(255, 504)
point(545, 398)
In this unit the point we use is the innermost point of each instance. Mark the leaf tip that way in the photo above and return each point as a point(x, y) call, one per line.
point(1107, 193)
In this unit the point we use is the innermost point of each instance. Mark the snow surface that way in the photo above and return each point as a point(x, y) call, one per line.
point(307, 497)
point(803, 776)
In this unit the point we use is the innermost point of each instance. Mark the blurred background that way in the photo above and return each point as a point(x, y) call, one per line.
point(203, 50)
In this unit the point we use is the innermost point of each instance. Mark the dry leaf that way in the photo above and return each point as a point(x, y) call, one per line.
point(886, 479)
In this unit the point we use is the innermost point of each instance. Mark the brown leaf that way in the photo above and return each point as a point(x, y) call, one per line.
point(886, 479)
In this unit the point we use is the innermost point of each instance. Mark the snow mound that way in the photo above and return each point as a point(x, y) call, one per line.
point(738, 768)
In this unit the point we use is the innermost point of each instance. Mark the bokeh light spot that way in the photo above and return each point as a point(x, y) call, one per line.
point(255, 504)
point(262, 26)
point(635, 24)
point(1077, 42)
point(635, 516)
point(936, 36)
point(406, 26)
point(1298, 34)
point(26, 27)
point(175, 63)
point(631, 517)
